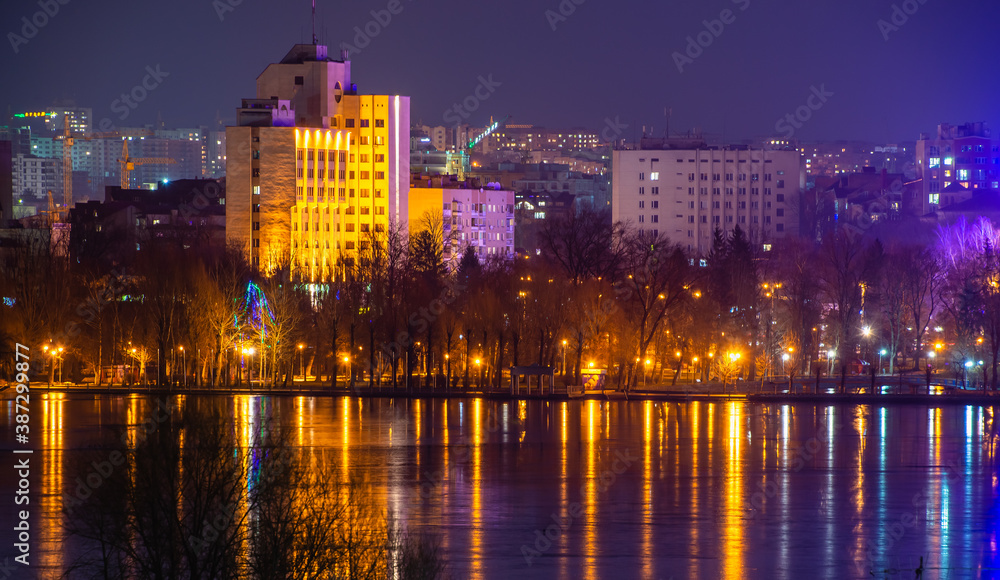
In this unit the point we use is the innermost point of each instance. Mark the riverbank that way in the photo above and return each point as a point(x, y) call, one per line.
point(770, 393)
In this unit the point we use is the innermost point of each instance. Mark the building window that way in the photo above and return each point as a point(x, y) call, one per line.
point(350, 227)
point(654, 176)
point(349, 123)
point(364, 123)
point(380, 122)
point(779, 227)
point(642, 204)
point(366, 140)
point(380, 175)
point(642, 219)
point(656, 219)
point(655, 191)
point(656, 204)
point(255, 208)
point(299, 80)
point(379, 140)
point(256, 190)
point(350, 245)
point(642, 191)
point(380, 158)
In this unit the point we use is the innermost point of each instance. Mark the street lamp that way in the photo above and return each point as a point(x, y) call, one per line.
point(302, 369)
point(881, 354)
point(645, 372)
point(564, 358)
point(184, 365)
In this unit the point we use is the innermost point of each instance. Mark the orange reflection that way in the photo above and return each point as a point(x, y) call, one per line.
point(733, 532)
point(50, 454)
point(476, 540)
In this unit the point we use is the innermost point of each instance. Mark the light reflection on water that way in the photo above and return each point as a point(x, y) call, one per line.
point(727, 490)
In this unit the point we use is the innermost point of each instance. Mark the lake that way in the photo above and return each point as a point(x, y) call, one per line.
point(597, 489)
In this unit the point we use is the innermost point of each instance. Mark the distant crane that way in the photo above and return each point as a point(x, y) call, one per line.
point(129, 163)
point(68, 138)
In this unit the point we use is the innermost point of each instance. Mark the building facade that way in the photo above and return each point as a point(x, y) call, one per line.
point(314, 169)
point(480, 218)
point(686, 193)
point(964, 154)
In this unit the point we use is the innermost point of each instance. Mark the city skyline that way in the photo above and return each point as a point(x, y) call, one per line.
point(882, 53)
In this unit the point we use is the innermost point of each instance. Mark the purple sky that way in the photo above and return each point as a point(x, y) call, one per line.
point(605, 59)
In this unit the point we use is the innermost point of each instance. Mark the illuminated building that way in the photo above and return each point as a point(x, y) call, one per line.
point(470, 216)
point(683, 189)
point(964, 155)
point(6, 183)
point(314, 169)
point(532, 138)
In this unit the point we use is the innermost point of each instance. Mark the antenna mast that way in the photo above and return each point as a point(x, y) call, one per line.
point(315, 40)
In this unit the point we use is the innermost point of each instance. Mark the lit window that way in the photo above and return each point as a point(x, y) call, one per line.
point(948, 161)
point(654, 176)
point(934, 198)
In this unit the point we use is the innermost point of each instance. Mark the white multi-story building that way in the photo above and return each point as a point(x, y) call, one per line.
point(34, 177)
point(686, 193)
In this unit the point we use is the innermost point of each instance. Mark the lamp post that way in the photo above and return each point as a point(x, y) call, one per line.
point(184, 365)
point(564, 358)
point(302, 370)
point(644, 373)
point(881, 354)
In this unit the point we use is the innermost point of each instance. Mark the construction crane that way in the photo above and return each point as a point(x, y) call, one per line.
point(129, 163)
point(68, 139)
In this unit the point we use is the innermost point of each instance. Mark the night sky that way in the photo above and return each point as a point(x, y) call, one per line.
point(606, 59)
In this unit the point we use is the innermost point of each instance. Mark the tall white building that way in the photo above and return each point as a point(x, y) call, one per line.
point(686, 190)
point(313, 168)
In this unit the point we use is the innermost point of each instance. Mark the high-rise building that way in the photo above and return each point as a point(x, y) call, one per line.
point(965, 155)
point(314, 169)
point(685, 190)
point(6, 183)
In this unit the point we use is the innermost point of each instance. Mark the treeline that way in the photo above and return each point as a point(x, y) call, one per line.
point(599, 294)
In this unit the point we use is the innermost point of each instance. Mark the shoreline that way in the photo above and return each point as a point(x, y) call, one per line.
point(679, 393)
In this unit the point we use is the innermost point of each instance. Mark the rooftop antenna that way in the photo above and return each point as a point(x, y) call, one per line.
point(315, 40)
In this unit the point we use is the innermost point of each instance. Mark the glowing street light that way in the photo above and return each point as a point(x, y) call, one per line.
point(867, 331)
